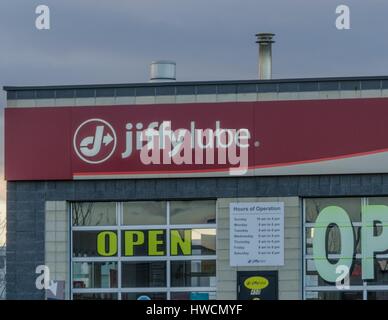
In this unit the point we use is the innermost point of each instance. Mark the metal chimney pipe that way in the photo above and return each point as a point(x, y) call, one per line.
point(265, 41)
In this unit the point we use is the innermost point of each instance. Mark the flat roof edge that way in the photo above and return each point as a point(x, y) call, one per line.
point(188, 83)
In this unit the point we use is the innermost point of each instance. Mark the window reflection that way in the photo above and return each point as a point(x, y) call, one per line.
point(193, 212)
point(95, 296)
point(94, 275)
point(85, 243)
point(315, 205)
point(144, 213)
point(94, 214)
point(193, 273)
point(143, 274)
point(334, 295)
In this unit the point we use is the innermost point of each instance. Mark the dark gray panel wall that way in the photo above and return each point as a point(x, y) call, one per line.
point(26, 205)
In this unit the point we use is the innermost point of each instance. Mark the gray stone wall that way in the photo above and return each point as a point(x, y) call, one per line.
point(26, 206)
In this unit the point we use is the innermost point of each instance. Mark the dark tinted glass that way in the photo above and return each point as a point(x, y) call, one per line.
point(329, 86)
point(95, 274)
point(143, 92)
point(268, 87)
point(165, 91)
point(371, 85)
point(26, 94)
point(350, 85)
point(246, 88)
point(185, 90)
point(207, 89)
point(85, 93)
point(45, 94)
point(11, 95)
point(226, 88)
point(384, 84)
point(65, 94)
point(288, 87)
point(95, 296)
point(334, 295)
point(143, 274)
point(85, 244)
point(193, 273)
point(125, 92)
point(308, 86)
point(105, 92)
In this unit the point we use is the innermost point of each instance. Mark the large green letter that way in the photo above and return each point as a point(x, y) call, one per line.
point(154, 242)
point(102, 249)
point(370, 242)
point(184, 244)
point(328, 216)
point(130, 242)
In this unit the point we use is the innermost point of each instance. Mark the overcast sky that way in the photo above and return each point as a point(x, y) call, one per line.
point(95, 41)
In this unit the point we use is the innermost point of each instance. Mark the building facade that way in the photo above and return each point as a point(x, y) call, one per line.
point(84, 202)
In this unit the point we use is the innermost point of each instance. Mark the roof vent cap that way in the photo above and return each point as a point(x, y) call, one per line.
point(162, 71)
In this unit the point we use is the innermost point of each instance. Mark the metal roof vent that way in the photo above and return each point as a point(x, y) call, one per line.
point(265, 41)
point(162, 71)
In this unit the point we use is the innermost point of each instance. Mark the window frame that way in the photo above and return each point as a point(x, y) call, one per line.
point(119, 227)
point(365, 288)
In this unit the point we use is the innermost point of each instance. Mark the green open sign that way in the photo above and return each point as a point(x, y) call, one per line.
point(152, 242)
point(371, 242)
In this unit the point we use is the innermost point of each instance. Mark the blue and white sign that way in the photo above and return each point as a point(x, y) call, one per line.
point(143, 298)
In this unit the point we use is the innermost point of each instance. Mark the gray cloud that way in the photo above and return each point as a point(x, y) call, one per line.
point(114, 41)
point(95, 41)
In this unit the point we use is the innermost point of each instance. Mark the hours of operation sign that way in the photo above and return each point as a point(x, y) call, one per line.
point(257, 234)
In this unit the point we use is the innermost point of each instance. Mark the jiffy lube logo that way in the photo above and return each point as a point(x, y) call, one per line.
point(95, 141)
point(157, 143)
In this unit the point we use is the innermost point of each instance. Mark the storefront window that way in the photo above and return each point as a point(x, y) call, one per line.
point(92, 243)
point(192, 212)
point(345, 256)
point(313, 279)
point(334, 295)
point(94, 214)
point(315, 205)
point(143, 274)
point(95, 274)
point(193, 273)
point(136, 243)
point(130, 249)
point(95, 296)
point(144, 213)
point(202, 242)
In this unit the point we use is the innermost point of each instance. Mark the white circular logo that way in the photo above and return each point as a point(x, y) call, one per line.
point(94, 141)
